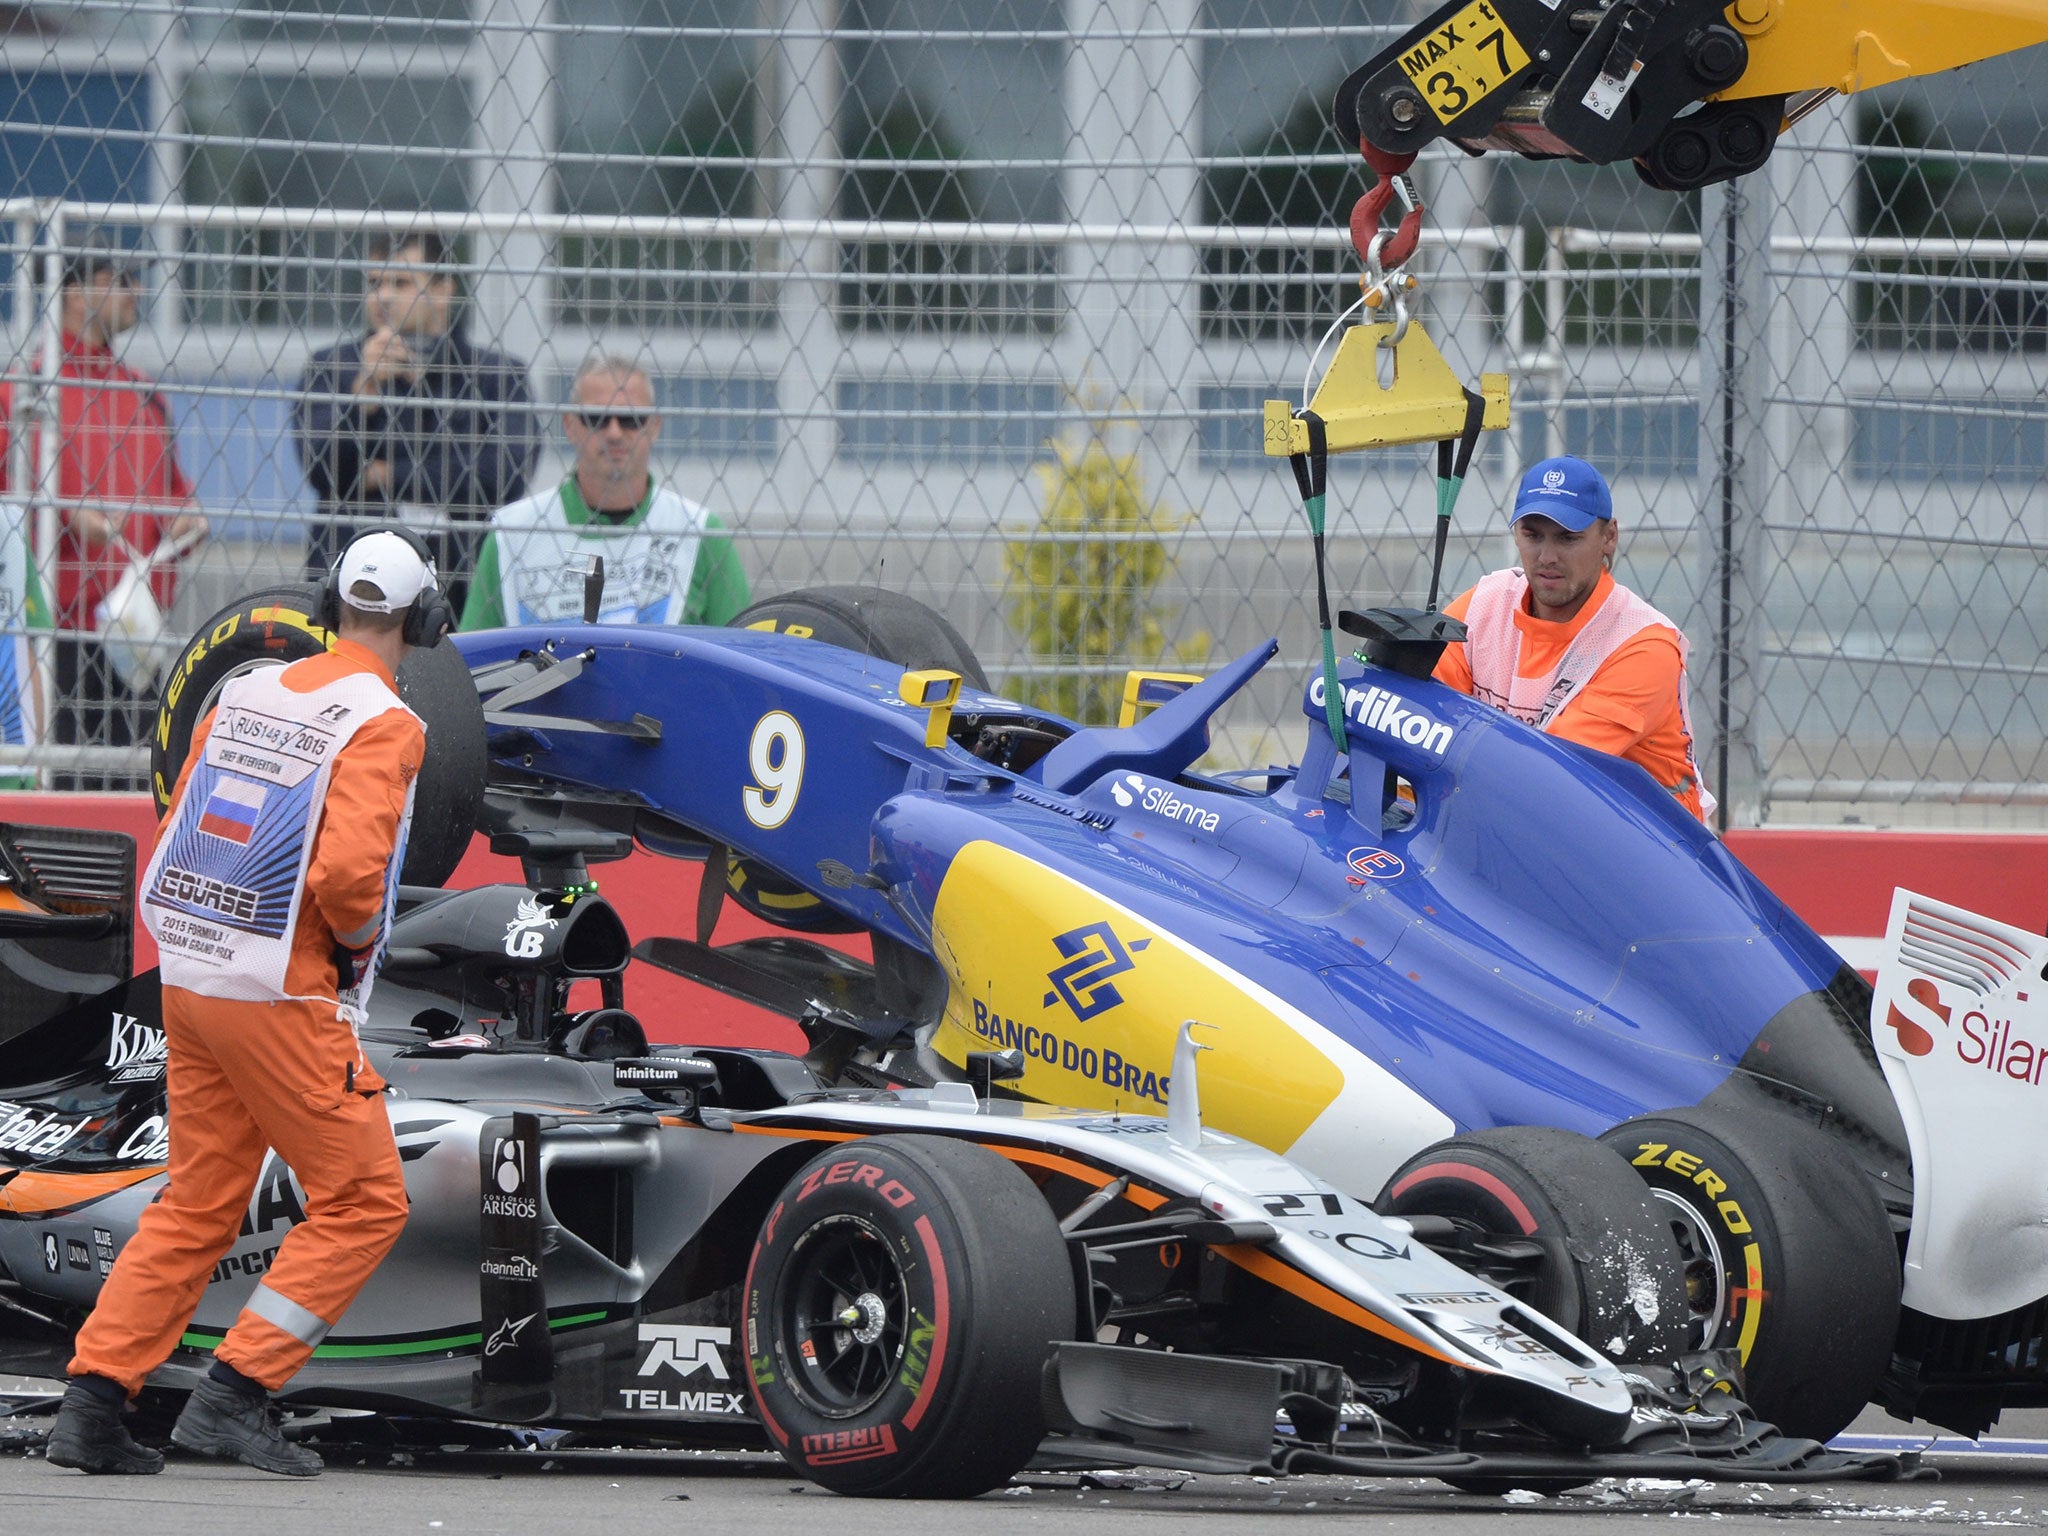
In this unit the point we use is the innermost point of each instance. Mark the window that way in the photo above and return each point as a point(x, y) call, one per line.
point(660, 111)
point(390, 142)
point(1273, 158)
point(918, 421)
point(967, 125)
point(72, 136)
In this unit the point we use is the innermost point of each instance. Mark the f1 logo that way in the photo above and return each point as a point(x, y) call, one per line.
point(508, 1165)
point(683, 1349)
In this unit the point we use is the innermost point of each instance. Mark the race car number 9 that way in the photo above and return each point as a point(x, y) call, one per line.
point(776, 756)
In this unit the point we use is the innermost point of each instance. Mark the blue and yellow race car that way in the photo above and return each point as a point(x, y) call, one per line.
point(1388, 954)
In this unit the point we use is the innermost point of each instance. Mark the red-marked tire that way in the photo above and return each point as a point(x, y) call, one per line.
point(901, 1303)
point(1789, 1257)
point(1608, 1270)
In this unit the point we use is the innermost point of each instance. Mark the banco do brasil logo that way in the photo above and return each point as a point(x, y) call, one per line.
point(1095, 956)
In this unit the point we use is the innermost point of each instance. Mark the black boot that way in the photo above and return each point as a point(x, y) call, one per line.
point(224, 1421)
point(89, 1436)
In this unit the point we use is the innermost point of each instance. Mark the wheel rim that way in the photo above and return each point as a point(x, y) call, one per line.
point(843, 1317)
point(258, 664)
point(1706, 1277)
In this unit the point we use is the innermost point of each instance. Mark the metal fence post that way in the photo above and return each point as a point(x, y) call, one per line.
point(808, 80)
point(1735, 311)
point(45, 411)
point(1134, 103)
point(515, 131)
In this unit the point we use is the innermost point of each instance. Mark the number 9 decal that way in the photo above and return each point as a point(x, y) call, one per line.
point(776, 756)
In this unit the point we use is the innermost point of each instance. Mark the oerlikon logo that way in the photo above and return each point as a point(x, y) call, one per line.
point(1922, 1013)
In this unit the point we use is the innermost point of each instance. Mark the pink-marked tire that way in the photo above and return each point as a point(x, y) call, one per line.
point(1558, 1221)
point(901, 1302)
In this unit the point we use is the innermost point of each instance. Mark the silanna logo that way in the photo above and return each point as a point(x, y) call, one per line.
point(1922, 1021)
point(1095, 956)
point(1915, 1037)
point(1160, 800)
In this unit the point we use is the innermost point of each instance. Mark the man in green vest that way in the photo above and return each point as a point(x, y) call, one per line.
point(665, 560)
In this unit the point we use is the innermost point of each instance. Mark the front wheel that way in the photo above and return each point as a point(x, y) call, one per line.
point(901, 1303)
point(1557, 1221)
point(1789, 1257)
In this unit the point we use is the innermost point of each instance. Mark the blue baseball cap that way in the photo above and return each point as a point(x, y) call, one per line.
point(1568, 491)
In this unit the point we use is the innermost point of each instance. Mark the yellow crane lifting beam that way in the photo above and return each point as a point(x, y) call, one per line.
point(1424, 403)
point(1852, 45)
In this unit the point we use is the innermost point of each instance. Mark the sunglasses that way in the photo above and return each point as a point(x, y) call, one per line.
point(628, 421)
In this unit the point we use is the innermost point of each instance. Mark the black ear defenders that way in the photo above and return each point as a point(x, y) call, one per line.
point(430, 615)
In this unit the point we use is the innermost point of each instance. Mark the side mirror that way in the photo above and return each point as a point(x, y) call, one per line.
point(591, 569)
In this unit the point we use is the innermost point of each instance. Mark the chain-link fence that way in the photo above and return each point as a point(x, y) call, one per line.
point(980, 302)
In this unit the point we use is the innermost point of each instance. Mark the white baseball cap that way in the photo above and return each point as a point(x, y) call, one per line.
point(390, 567)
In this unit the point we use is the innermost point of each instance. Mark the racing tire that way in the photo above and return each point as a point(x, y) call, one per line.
point(278, 625)
point(1789, 1256)
point(872, 620)
point(955, 1279)
point(1611, 1272)
point(888, 625)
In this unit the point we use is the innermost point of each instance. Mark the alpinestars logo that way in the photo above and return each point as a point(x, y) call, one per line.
point(684, 1350)
point(1095, 956)
point(135, 1051)
point(507, 1334)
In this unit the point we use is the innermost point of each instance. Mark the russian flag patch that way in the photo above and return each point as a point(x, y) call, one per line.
point(231, 809)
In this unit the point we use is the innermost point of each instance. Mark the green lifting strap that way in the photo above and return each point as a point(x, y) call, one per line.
point(1312, 475)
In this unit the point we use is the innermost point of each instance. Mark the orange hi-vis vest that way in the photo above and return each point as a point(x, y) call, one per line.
point(1493, 650)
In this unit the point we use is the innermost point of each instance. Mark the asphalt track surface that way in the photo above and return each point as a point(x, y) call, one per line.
point(439, 1492)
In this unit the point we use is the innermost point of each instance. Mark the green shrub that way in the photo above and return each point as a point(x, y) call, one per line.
point(1084, 581)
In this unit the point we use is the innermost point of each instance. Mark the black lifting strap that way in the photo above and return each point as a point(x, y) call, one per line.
point(1453, 459)
point(1312, 476)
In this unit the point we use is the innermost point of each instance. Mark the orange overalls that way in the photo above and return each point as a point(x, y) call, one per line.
point(290, 1075)
point(1631, 707)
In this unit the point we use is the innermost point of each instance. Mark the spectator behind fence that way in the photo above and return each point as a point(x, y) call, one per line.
point(664, 560)
point(412, 422)
point(121, 495)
